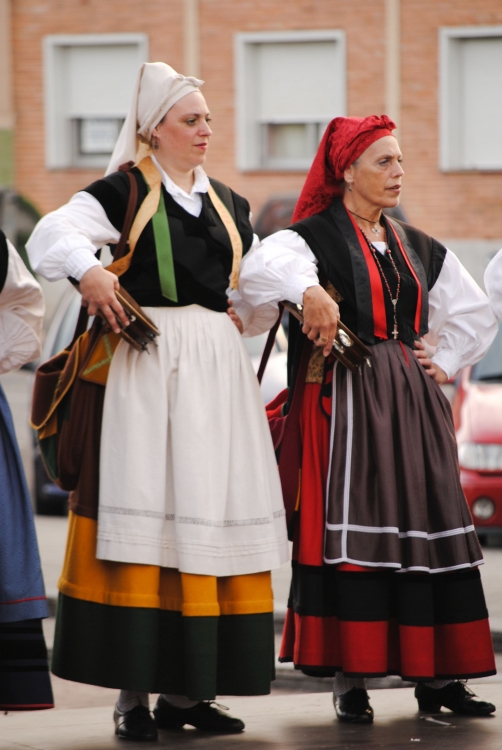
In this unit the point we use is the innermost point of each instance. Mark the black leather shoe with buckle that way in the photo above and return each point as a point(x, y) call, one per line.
point(353, 707)
point(205, 716)
point(456, 696)
point(136, 724)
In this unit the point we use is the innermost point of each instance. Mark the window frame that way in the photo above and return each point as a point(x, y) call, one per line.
point(450, 38)
point(249, 150)
point(59, 131)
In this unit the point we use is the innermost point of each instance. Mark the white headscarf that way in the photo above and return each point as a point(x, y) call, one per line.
point(158, 88)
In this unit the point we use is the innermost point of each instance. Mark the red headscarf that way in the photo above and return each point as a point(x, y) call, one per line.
point(345, 139)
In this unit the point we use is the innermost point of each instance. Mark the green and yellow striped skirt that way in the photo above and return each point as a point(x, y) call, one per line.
point(146, 628)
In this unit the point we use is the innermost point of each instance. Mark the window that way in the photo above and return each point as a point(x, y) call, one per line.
point(289, 86)
point(470, 98)
point(89, 80)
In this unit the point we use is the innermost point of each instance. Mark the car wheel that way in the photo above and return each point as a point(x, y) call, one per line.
point(50, 500)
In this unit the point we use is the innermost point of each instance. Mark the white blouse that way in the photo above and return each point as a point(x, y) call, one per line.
point(64, 242)
point(461, 322)
point(493, 283)
point(21, 313)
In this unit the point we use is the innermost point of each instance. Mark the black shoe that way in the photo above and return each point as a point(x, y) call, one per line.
point(456, 696)
point(353, 707)
point(136, 724)
point(205, 716)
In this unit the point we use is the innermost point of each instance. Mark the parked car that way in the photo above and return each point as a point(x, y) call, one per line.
point(277, 213)
point(49, 498)
point(477, 412)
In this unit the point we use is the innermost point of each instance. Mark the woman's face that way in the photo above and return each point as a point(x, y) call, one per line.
point(183, 135)
point(376, 175)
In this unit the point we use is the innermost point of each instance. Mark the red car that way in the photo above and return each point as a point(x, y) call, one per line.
point(477, 412)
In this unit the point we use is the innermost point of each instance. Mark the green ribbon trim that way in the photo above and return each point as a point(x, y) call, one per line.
point(103, 362)
point(164, 250)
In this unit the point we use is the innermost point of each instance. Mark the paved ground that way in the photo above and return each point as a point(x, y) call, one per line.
point(289, 722)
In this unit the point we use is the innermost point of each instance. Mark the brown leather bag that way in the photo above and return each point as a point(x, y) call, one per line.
point(285, 428)
point(69, 389)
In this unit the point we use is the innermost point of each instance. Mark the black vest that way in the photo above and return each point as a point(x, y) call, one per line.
point(202, 252)
point(332, 238)
point(4, 259)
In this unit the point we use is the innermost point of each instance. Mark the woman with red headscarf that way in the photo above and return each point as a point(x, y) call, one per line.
point(385, 556)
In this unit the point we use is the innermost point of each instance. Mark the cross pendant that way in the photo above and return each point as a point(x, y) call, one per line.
point(395, 332)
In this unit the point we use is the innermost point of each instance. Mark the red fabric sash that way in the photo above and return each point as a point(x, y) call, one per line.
point(418, 312)
point(376, 285)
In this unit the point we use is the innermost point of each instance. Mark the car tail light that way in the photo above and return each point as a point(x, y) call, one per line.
point(483, 508)
point(480, 456)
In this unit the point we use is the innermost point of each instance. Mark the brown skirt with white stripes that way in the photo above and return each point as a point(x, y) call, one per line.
point(385, 577)
point(394, 497)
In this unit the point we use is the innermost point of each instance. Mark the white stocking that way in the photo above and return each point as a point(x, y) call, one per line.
point(129, 699)
point(438, 684)
point(179, 701)
point(342, 684)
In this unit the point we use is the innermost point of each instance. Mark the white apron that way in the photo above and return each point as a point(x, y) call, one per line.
point(188, 476)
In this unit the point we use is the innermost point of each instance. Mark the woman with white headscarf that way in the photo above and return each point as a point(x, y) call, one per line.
point(166, 583)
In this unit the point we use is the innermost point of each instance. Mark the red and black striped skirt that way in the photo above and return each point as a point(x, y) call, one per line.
point(370, 621)
point(25, 683)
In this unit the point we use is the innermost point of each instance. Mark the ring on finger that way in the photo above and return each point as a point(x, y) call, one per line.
point(323, 339)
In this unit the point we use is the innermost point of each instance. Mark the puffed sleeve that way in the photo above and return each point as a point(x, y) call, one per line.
point(493, 283)
point(461, 322)
point(21, 311)
point(65, 241)
point(281, 267)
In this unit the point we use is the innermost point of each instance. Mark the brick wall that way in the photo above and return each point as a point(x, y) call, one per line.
point(32, 21)
point(443, 204)
point(365, 66)
point(446, 205)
